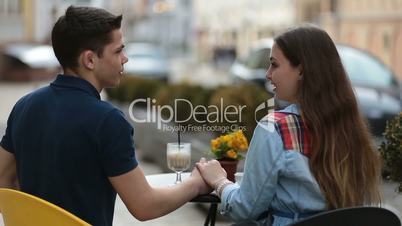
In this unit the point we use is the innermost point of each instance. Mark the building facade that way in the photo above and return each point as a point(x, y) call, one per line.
point(32, 20)
point(372, 25)
point(238, 23)
point(16, 20)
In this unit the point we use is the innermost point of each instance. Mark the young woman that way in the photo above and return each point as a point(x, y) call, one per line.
point(314, 155)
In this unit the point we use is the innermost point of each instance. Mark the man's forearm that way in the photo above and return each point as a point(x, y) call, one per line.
point(167, 199)
point(8, 170)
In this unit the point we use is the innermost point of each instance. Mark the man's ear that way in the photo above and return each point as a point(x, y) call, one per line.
point(88, 59)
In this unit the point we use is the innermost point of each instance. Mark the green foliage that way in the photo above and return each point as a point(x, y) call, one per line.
point(391, 150)
point(244, 99)
point(132, 88)
point(195, 94)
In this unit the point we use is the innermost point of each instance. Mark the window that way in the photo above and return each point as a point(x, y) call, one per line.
point(77, 2)
point(333, 6)
point(386, 42)
point(9, 7)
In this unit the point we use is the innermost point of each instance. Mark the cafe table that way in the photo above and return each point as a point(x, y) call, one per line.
point(166, 179)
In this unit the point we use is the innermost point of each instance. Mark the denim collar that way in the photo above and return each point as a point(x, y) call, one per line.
point(292, 108)
point(69, 81)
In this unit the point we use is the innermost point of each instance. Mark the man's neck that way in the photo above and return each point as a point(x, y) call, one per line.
point(85, 76)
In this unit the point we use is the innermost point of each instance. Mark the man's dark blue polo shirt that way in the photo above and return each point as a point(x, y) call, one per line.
point(67, 142)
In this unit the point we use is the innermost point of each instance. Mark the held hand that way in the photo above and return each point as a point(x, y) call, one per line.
point(211, 171)
point(203, 187)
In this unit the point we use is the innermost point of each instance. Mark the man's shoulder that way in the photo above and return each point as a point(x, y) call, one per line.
point(108, 111)
point(34, 95)
point(108, 108)
point(104, 105)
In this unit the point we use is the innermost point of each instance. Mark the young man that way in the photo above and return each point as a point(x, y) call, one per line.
point(65, 145)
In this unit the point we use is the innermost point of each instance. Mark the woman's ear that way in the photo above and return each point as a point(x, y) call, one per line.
point(300, 69)
point(88, 59)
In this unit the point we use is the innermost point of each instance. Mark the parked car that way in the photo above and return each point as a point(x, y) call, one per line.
point(146, 60)
point(377, 90)
point(27, 62)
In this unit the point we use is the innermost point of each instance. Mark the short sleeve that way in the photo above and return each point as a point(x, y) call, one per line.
point(7, 141)
point(116, 144)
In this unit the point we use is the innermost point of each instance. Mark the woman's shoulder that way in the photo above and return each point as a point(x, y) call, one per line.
point(286, 115)
point(291, 129)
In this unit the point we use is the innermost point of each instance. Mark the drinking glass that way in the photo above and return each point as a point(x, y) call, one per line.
point(178, 158)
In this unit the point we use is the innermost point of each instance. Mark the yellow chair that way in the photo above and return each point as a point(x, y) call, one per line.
point(22, 209)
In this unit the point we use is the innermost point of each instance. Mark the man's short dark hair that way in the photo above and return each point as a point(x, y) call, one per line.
point(80, 29)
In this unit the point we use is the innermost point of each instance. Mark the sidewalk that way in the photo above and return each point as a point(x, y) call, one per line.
point(390, 198)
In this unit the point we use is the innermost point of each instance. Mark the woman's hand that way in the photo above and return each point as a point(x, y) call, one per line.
point(211, 171)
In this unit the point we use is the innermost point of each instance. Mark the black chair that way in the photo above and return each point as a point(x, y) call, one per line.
point(353, 216)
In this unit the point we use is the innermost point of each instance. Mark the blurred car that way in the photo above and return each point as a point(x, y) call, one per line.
point(146, 60)
point(27, 62)
point(377, 90)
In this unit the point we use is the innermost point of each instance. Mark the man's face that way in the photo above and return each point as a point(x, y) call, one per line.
point(109, 68)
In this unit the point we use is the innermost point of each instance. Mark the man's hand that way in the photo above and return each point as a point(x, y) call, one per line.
point(203, 187)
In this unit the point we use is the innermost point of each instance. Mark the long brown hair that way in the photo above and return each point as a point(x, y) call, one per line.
point(343, 161)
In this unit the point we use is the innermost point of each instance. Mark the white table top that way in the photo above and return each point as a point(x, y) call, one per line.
point(165, 179)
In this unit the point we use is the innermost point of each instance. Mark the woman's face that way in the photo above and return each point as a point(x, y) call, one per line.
point(283, 76)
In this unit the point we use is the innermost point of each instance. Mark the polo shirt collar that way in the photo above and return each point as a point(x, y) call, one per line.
point(70, 81)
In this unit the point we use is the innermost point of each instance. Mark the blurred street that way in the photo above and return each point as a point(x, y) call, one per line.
point(186, 69)
point(11, 92)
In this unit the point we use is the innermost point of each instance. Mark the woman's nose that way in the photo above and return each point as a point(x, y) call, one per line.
point(268, 75)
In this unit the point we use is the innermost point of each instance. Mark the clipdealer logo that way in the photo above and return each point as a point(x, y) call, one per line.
point(205, 116)
point(266, 108)
point(163, 114)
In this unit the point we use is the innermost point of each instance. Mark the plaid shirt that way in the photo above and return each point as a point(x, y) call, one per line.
point(293, 131)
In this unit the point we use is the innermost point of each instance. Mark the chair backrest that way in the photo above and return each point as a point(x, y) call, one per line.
point(22, 209)
point(353, 216)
